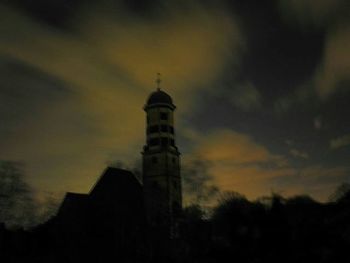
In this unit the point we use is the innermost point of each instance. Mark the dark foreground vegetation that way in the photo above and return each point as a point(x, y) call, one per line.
point(271, 229)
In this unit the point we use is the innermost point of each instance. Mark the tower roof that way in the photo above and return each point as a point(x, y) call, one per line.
point(159, 98)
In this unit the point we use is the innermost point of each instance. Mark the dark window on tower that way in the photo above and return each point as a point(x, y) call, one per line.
point(154, 141)
point(173, 159)
point(164, 128)
point(171, 129)
point(163, 115)
point(147, 119)
point(154, 159)
point(172, 142)
point(154, 129)
point(164, 141)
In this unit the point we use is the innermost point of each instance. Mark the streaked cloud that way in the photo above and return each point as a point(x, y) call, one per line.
point(317, 180)
point(334, 71)
point(332, 17)
point(238, 162)
point(318, 122)
point(340, 142)
point(299, 154)
point(107, 65)
point(228, 145)
point(71, 99)
point(245, 96)
point(313, 13)
point(190, 48)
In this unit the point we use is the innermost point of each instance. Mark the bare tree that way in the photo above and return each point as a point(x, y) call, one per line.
point(198, 183)
point(16, 197)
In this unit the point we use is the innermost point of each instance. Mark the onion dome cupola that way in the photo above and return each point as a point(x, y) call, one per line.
point(159, 98)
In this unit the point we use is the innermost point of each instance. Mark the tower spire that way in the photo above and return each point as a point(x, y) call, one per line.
point(158, 81)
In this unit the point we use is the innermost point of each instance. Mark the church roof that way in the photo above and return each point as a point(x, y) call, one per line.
point(159, 97)
point(72, 203)
point(117, 192)
point(115, 179)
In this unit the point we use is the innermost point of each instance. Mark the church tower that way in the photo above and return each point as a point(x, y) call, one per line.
point(161, 163)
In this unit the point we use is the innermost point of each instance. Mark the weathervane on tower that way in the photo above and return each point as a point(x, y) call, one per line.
point(158, 81)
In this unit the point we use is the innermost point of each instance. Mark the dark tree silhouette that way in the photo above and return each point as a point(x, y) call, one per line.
point(270, 229)
point(18, 207)
point(198, 185)
point(16, 199)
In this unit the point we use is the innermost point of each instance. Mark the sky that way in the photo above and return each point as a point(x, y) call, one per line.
point(261, 89)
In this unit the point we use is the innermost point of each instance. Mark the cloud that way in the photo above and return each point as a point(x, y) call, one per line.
point(238, 163)
point(229, 145)
point(245, 97)
point(299, 154)
point(340, 142)
point(106, 65)
point(310, 12)
point(303, 94)
point(317, 180)
point(332, 17)
point(187, 47)
point(79, 100)
point(318, 122)
point(335, 68)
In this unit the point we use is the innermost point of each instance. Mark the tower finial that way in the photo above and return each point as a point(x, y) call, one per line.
point(158, 81)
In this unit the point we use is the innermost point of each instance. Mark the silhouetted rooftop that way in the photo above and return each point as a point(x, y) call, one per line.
point(115, 180)
point(159, 97)
point(116, 194)
point(72, 202)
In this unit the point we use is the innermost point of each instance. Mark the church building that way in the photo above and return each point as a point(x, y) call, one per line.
point(119, 203)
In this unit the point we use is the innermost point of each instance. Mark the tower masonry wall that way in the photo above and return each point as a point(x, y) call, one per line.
point(161, 164)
